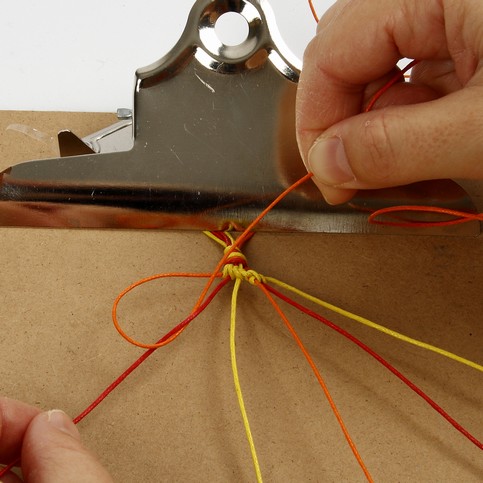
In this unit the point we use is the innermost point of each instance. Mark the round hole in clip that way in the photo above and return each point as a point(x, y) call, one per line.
point(230, 35)
point(232, 29)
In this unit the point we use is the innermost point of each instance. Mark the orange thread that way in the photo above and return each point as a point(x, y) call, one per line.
point(215, 274)
point(312, 9)
point(382, 361)
point(319, 377)
point(137, 284)
point(247, 233)
point(459, 216)
point(232, 254)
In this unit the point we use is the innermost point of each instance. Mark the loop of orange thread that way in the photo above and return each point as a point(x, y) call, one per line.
point(235, 267)
point(137, 284)
point(459, 216)
point(147, 353)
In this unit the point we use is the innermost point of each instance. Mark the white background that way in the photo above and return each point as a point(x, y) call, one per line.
point(81, 55)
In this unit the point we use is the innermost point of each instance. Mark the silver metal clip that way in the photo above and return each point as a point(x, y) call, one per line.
point(213, 142)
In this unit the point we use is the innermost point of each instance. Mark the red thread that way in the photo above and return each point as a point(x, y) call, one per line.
point(10, 466)
point(247, 234)
point(380, 359)
point(323, 385)
point(458, 216)
point(134, 365)
point(398, 77)
point(205, 300)
point(141, 359)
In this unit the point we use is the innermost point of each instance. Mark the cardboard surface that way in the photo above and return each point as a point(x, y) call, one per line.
point(176, 418)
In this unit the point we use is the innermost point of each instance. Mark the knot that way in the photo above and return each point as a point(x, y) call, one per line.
point(236, 257)
point(236, 266)
point(240, 272)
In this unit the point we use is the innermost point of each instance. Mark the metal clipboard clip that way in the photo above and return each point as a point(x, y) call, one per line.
point(210, 143)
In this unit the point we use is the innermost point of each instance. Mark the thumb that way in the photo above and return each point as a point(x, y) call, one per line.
point(52, 452)
point(401, 144)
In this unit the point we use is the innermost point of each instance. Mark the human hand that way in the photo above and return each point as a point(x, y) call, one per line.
point(427, 129)
point(49, 444)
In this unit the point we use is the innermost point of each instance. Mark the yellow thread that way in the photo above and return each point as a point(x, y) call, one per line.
point(230, 236)
point(378, 327)
point(209, 234)
point(236, 379)
point(236, 254)
point(215, 239)
point(238, 272)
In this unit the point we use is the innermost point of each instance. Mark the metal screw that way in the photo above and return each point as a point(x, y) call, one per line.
point(124, 113)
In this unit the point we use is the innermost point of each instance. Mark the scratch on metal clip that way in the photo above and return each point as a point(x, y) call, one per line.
point(205, 83)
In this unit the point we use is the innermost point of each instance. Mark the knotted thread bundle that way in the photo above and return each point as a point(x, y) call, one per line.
point(236, 267)
point(233, 266)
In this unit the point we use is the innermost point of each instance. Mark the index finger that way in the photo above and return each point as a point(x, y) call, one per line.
point(358, 42)
point(15, 416)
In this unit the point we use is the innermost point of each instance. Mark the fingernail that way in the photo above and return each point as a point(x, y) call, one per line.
point(62, 422)
point(328, 162)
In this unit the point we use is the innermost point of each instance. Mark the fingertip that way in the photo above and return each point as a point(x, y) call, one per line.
point(60, 421)
point(15, 417)
point(336, 196)
point(328, 162)
point(52, 451)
